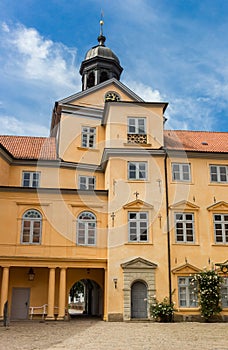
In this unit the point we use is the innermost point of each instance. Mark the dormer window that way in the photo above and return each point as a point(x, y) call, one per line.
point(136, 130)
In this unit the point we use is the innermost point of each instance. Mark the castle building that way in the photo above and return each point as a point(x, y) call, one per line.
point(111, 199)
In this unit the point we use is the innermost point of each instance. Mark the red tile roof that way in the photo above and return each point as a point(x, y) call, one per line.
point(201, 141)
point(28, 147)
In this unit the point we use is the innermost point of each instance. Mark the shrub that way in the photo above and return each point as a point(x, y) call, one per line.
point(209, 287)
point(162, 311)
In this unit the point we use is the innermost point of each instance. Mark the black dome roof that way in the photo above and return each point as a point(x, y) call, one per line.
point(101, 51)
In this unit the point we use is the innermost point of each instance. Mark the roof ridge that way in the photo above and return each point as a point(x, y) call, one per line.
point(26, 136)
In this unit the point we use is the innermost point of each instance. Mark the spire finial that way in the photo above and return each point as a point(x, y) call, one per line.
point(101, 22)
point(101, 39)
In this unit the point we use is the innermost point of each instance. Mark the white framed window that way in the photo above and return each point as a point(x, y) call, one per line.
point(136, 125)
point(30, 179)
point(219, 173)
point(187, 292)
point(221, 228)
point(137, 170)
point(181, 172)
point(224, 292)
point(31, 227)
point(87, 182)
point(184, 227)
point(88, 137)
point(86, 229)
point(138, 226)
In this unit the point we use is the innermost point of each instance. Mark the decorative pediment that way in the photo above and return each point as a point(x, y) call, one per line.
point(137, 205)
point(139, 263)
point(106, 85)
point(223, 266)
point(184, 205)
point(186, 268)
point(219, 206)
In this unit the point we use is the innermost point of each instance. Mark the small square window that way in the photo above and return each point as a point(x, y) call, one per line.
point(30, 179)
point(137, 170)
point(87, 182)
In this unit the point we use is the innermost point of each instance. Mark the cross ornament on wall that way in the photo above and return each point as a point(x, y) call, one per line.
point(113, 217)
point(136, 194)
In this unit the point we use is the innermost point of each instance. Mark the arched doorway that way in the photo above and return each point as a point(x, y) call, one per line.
point(85, 298)
point(139, 300)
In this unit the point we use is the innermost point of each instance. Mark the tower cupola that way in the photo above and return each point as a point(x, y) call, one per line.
point(100, 64)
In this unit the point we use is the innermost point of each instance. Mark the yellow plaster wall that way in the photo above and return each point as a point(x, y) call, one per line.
point(203, 194)
point(71, 149)
point(117, 122)
point(96, 99)
point(59, 214)
point(4, 172)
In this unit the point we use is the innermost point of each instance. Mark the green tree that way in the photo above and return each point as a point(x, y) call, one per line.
point(77, 288)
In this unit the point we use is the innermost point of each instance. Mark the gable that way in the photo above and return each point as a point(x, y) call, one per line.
point(219, 206)
point(138, 263)
point(137, 205)
point(95, 96)
point(184, 205)
point(186, 268)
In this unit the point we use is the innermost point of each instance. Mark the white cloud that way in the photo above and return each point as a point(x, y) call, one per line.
point(34, 58)
point(35, 72)
point(189, 114)
point(12, 126)
point(144, 91)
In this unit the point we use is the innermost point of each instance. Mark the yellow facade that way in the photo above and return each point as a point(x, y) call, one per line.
point(115, 263)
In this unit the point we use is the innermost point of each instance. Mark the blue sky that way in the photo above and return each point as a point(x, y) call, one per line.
point(174, 51)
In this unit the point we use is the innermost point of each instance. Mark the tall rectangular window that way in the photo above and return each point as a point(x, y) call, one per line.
point(184, 227)
point(136, 131)
point(88, 137)
point(87, 182)
point(31, 227)
point(137, 170)
point(181, 172)
point(187, 291)
point(138, 226)
point(224, 292)
point(30, 179)
point(221, 228)
point(219, 173)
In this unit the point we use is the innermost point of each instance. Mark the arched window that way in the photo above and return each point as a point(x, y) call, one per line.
point(103, 77)
point(86, 228)
point(91, 80)
point(31, 227)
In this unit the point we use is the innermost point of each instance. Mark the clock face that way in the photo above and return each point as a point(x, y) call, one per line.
point(112, 96)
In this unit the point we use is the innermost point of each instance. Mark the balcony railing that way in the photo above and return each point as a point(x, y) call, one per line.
point(137, 138)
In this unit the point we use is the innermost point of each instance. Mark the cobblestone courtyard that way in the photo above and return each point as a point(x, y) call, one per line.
point(89, 334)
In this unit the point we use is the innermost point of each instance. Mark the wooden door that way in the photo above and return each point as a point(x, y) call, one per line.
point(20, 303)
point(139, 300)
